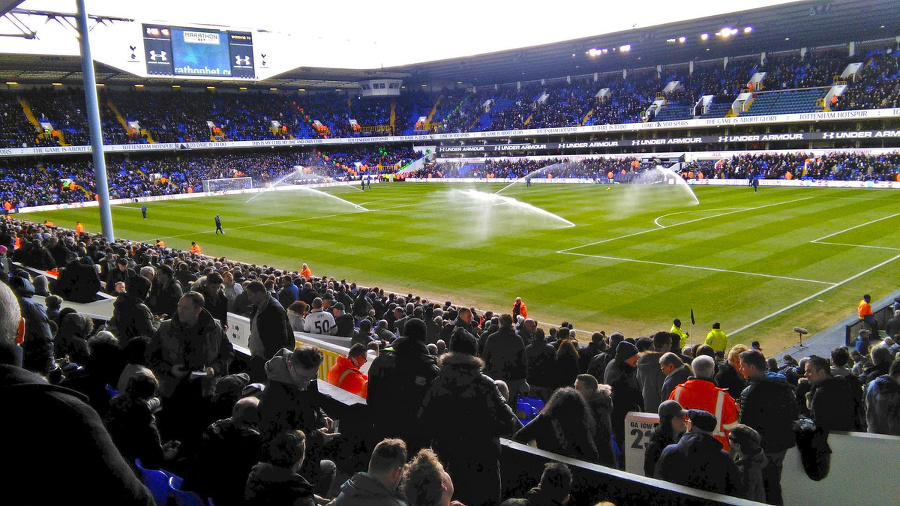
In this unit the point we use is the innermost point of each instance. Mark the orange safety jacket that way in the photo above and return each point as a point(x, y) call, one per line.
point(343, 374)
point(195, 248)
point(864, 309)
point(703, 394)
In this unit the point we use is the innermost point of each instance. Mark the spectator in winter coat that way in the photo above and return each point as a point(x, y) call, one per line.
point(565, 426)
point(670, 428)
point(270, 329)
point(399, 379)
point(677, 372)
point(697, 459)
point(379, 485)
point(277, 479)
point(540, 357)
point(131, 317)
point(768, 407)
point(131, 422)
point(504, 357)
point(599, 400)
point(37, 348)
point(595, 347)
point(464, 415)
point(750, 460)
point(728, 376)
point(78, 281)
point(649, 373)
point(835, 403)
point(565, 366)
point(228, 450)
point(55, 415)
point(621, 376)
point(883, 402)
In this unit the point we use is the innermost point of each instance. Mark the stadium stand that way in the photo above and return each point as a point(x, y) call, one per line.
point(186, 115)
point(520, 465)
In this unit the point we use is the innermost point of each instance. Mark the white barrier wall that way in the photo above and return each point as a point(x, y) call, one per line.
point(863, 467)
point(332, 347)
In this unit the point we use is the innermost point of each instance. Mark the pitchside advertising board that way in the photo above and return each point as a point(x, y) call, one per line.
point(174, 51)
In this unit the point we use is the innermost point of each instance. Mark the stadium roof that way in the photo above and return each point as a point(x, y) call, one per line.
point(779, 28)
point(783, 27)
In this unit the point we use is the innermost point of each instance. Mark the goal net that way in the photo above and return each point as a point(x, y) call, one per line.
point(232, 183)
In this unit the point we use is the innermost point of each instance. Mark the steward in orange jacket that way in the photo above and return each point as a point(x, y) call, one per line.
point(519, 309)
point(699, 393)
point(345, 373)
point(195, 249)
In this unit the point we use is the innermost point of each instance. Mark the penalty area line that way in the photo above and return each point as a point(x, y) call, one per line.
point(701, 268)
point(813, 296)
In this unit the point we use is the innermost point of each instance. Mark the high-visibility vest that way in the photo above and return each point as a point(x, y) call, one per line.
point(705, 395)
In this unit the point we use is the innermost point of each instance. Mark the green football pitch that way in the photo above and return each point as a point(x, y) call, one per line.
point(613, 258)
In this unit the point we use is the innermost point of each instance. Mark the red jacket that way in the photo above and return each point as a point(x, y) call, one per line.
point(347, 376)
point(704, 394)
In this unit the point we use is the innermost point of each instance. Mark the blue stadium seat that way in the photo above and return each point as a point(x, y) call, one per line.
point(183, 498)
point(157, 481)
point(525, 411)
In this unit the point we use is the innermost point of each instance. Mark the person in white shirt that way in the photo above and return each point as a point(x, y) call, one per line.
point(319, 321)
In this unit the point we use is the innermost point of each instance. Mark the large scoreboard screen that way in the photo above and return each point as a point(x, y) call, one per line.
point(173, 51)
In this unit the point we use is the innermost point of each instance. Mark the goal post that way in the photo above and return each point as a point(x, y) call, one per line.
point(231, 183)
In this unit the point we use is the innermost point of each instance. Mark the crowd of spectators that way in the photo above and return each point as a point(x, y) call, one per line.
point(877, 84)
point(184, 115)
point(445, 376)
point(834, 166)
point(163, 174)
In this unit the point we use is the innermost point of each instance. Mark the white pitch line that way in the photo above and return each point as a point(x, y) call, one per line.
point(855, 245)
point(813, 296)
point(656, 221)
point(697, 267)
point(682, 223)
point(855, 227)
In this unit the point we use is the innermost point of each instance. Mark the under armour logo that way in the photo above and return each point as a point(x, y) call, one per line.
point(160, 55)
point(242, 60)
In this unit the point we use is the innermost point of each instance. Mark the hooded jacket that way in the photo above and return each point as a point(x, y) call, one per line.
point(399, 378)
point(601, 405)
point(131, 317)
point(463, 412)
point(651, 378)
point(750, 469)
point(363, 490)
point(283, 406)
point(883, 406)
